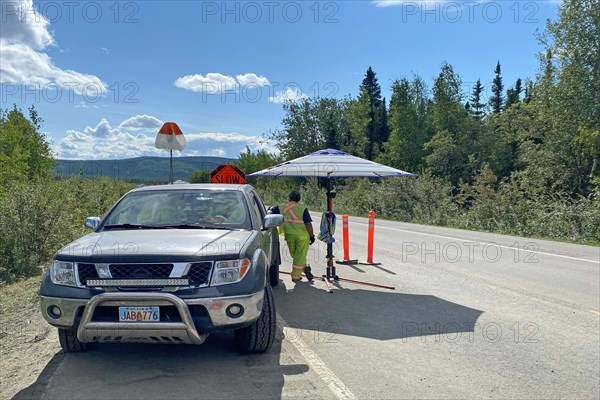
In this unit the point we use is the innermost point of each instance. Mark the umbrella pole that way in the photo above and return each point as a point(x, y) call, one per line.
point(331, 274)
point(171, 168)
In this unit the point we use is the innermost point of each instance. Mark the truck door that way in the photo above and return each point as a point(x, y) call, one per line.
point(267, 236)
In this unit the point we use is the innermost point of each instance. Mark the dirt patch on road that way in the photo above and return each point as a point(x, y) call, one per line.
point(27, 342)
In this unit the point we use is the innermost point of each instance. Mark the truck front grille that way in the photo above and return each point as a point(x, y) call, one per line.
point(140, 271)
point(86, 271)
point(199, 273)
point(145, 275)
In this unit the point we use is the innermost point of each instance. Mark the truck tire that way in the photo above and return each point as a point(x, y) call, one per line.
point(274, 275)
point(259, 337)
point(69, 342)
point(274, 269)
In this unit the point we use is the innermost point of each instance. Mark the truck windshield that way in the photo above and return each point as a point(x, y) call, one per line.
point(198, 208)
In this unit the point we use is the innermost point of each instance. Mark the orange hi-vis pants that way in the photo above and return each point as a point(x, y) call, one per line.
point(298, 246)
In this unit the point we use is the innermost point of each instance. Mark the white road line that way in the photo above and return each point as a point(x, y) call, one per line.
point(595, 312)
point(334, 383)
point(483, 243)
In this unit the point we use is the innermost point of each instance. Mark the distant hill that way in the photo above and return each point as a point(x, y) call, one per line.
point(140, 169)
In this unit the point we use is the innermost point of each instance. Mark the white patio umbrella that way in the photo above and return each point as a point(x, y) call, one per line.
point(331, 163)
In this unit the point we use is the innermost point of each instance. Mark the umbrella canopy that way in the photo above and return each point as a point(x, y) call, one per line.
point(331, 163)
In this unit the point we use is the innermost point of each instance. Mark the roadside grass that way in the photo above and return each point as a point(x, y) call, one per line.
point(18, 296)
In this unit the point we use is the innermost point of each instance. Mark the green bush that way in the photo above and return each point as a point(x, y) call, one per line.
point(513, 207)
point(200, 176)
point(39, 217)
point(509, 207)
point(426, 199)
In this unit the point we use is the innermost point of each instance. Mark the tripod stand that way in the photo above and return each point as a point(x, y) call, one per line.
point(330, 271)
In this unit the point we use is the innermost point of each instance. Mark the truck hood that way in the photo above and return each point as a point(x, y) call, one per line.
point(155, 245)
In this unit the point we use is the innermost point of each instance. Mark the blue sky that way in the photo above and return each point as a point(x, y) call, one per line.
point(105, 75)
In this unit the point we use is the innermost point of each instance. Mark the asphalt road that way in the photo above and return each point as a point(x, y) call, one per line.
point(473, 315)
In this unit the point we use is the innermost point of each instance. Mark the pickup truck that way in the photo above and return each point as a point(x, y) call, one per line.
point(169, 264)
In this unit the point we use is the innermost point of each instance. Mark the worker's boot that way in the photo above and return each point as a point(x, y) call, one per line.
point(308, 273)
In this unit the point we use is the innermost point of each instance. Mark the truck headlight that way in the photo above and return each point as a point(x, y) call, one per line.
point(230, 271)
point(63, 273)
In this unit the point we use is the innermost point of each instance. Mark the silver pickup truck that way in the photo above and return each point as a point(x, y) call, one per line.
point(169, 264)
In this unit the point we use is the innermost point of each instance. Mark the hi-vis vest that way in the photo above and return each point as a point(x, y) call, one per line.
point(293, 222)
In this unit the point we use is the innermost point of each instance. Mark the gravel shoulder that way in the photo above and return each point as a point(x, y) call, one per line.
point(29, 347)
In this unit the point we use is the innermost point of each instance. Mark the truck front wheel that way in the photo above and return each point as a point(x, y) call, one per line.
point(259, 337)
point(69, 342)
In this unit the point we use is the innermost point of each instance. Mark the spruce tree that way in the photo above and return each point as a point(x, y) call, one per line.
point(475, 104)
point(528, 91)
point(513, 95)
point(372, 87)
point(382, 133)
point(378, 129)
point(518, 89)
point(497, 99)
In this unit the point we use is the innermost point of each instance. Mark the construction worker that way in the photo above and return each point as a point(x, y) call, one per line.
point(298, 231)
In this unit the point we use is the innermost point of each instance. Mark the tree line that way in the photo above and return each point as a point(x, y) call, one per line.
point(530, 148)
point(543, 131)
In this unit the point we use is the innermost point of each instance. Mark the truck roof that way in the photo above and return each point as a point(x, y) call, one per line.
point(195, 186)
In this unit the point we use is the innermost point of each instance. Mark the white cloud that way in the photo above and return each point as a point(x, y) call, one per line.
point(211, 83)
point(99, 142)
point(220, 137)
point(252, 80)
point(223, 144)
point(23, 65)
point(141, 122)
point(22, 24)
point(288, 95)
point(82, 104)
point(105, 142)
point(25, 35)
point(214, 82)
point(102, 130)
point(105, 50)
point(220, 152)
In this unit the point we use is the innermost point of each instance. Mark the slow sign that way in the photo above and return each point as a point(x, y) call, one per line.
point(227, 174)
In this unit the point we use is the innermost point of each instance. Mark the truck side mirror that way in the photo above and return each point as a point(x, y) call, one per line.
point(92, 222)
point(272, 221)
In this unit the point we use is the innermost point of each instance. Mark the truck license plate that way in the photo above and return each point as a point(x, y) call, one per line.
point(139, 314)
